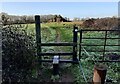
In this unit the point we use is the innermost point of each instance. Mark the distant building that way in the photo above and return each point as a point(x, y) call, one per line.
point(58, 18)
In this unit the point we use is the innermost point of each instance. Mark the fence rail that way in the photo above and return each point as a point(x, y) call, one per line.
point(55, 53)
point(58, 44)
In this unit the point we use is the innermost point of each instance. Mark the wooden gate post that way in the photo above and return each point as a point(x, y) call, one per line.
point(99, 74)
point(38, 36)
point(75, 44)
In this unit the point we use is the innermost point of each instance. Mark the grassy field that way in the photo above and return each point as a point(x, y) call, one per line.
point(62, 32)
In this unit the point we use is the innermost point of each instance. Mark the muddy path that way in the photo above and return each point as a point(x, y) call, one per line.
point(65, 75)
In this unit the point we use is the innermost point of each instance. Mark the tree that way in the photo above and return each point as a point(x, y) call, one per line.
point(24, 19)
point(4, 20)
point(88, 23)
point(30, 19)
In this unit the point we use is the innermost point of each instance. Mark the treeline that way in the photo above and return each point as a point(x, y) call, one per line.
point(101, 23)
point(14, 19)
point(95, 23)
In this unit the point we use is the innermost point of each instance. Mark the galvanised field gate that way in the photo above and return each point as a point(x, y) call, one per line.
point(76, 50)
point(105, 38)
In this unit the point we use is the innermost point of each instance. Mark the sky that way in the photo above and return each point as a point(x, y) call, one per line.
point(66, 9)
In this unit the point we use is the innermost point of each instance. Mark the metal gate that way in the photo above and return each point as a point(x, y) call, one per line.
point(104, 44)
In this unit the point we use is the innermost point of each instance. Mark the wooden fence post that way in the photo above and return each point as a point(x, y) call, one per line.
point(75, 42)
point(38, 37)
point(99, 74)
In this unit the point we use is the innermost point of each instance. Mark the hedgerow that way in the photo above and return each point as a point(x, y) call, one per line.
point(18, 54)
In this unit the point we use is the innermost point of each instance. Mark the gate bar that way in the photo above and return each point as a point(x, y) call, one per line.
point(99, 30)
point(80, 45)
point(105, 44)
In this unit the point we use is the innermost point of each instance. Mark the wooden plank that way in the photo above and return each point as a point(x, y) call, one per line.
point(58, 44)
point(61, 61)
point(52, 54)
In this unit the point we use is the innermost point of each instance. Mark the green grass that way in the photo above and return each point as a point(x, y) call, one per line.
point(50, 32)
